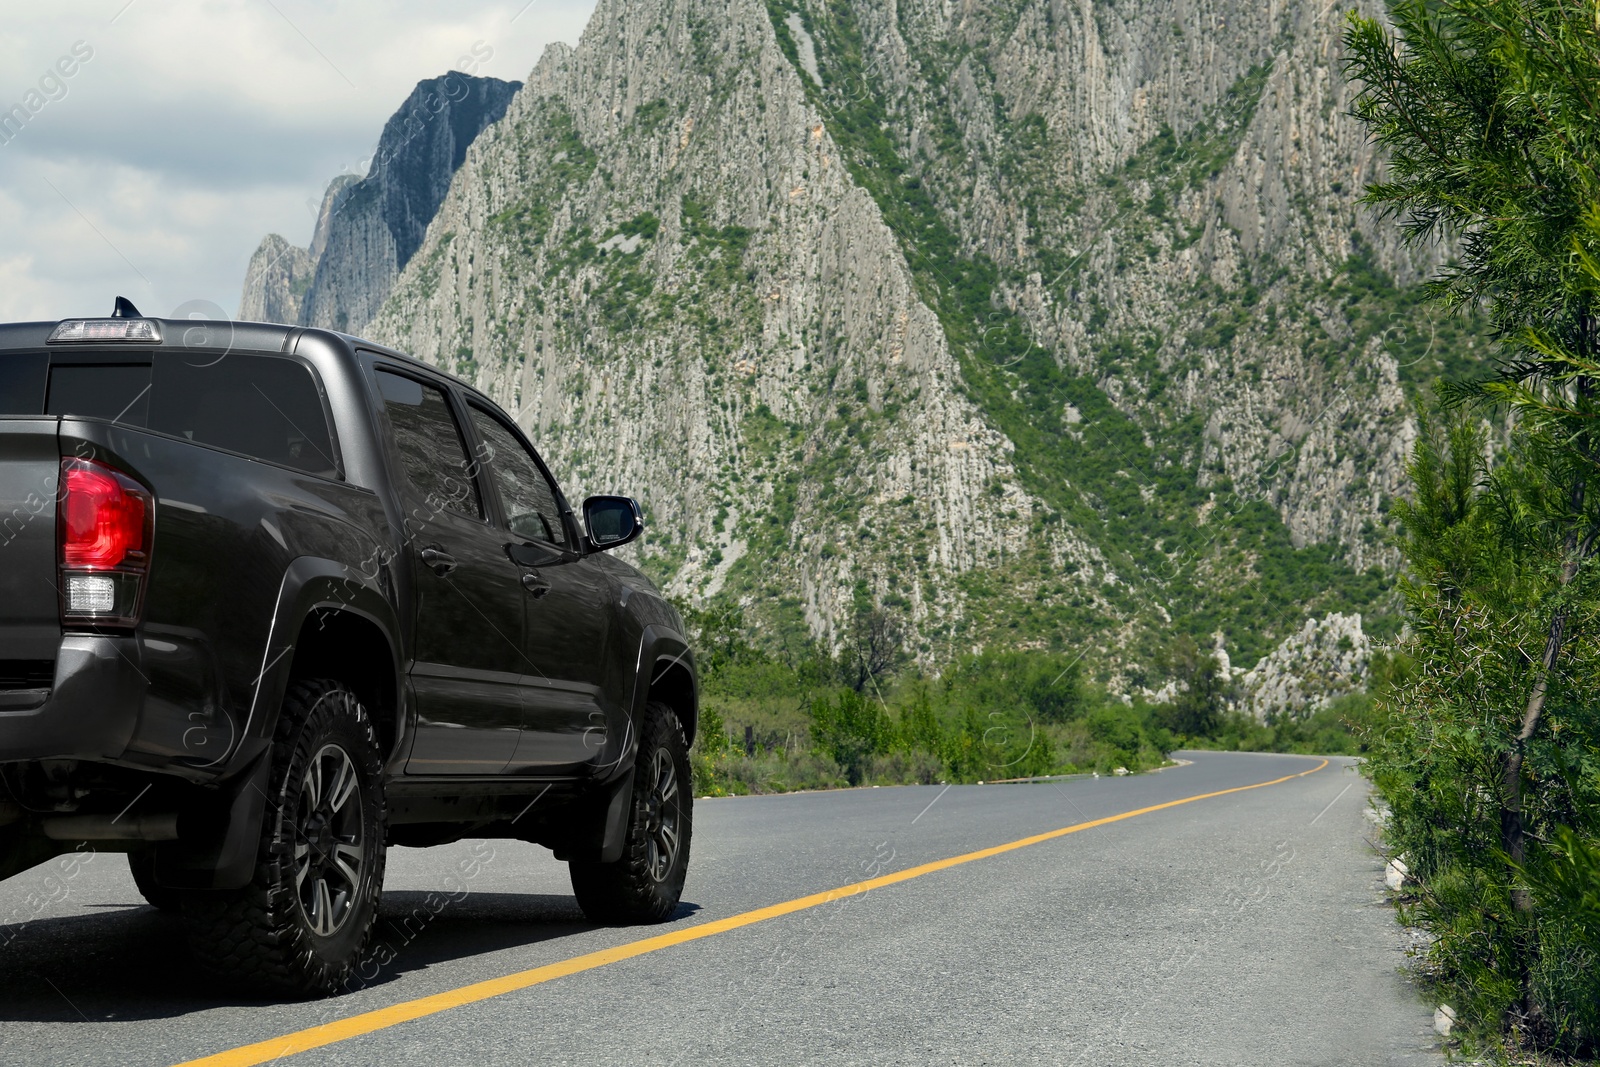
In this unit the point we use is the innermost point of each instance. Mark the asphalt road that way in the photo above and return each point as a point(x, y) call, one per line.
point(1247, 928)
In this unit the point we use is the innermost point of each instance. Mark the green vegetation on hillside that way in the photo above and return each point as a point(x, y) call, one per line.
point(1208, 558)
point(815, 721)
point(571, 162)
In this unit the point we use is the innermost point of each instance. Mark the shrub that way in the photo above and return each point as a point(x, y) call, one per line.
point(849, 729)
point(708, 758)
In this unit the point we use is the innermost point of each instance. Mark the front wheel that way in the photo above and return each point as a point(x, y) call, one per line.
point(302, 923)
point(646, 883)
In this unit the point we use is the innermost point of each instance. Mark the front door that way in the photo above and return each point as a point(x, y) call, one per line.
point(567, 608)
point(469, 627)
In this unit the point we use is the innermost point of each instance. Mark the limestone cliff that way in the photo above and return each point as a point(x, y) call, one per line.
point(1037, 323)
point(369, 228)
point(1325, 659)
point(663, 266)
point(276, 281)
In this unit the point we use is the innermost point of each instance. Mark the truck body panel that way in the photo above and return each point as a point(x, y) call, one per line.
point(287, 538)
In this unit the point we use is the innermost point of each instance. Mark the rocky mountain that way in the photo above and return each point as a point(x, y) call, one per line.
point(279, 274)
point(276, 281)
point(1032, 323)
point(369, 228)
point(1326, 659)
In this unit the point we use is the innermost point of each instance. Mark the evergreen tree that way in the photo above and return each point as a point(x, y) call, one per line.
point(1489, 111)
point(1196, 710)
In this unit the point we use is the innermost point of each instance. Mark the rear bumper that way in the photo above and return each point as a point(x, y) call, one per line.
point(90, 710)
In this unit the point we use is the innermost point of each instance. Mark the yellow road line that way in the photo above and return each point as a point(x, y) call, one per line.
point(406, 1011)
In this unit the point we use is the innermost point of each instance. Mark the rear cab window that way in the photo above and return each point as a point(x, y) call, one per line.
point(266, 407)
point(22, 380)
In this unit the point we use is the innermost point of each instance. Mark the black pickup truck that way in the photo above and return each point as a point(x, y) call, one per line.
point(274, 598)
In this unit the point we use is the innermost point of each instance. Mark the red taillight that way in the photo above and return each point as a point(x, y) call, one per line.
point(102, 518)
point(105, 519)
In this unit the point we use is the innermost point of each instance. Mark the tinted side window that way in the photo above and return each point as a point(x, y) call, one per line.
point(430, 443)
point(267, 407)
point(529, 499)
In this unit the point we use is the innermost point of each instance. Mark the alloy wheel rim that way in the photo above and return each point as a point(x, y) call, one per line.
point(663, 815)
point(329, 858)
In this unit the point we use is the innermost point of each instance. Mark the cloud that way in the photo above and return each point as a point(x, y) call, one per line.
point(204, 138)
point(194, 130)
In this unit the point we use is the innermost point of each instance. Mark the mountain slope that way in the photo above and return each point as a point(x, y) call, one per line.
point(678, 288)
point(1025, 322)
point(369, 228)
point(276, 281)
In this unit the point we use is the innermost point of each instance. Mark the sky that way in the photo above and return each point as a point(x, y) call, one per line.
point(159, 141)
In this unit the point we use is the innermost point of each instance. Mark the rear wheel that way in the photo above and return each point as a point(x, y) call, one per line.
point(646, 883)
point(302, 923)
point(142, 864)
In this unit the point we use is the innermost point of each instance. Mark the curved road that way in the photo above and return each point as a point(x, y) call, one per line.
point(1242, 928)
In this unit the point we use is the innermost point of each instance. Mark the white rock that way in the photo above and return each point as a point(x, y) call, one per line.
point(1444, 1020)
point(1220, 652)
point(1394, 874)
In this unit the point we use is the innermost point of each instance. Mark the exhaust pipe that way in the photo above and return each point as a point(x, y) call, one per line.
point(111, 827)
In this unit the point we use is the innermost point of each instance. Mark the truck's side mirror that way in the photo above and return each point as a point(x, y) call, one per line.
point(612, 521)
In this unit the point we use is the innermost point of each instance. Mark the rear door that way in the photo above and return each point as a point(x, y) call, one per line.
point(567, 605)
point(469, 658)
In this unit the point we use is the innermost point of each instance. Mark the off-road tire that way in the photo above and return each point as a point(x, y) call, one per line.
point(142, 865)
point(265, 937)
point(643, 886)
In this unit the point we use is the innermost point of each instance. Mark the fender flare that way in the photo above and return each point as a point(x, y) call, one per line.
point(660, 648)
point(221, 853)
point(311, 583)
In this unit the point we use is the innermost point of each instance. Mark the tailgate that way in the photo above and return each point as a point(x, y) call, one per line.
point(30, 616)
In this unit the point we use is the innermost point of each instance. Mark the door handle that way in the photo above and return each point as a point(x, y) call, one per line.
point(438, 560)
point(535, 585)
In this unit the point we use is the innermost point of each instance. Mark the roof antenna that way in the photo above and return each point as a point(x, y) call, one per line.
point(124, 309)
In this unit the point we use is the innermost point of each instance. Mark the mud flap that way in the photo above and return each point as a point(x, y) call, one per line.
point(215, 852)
point(598, 829)
point(615, 834)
